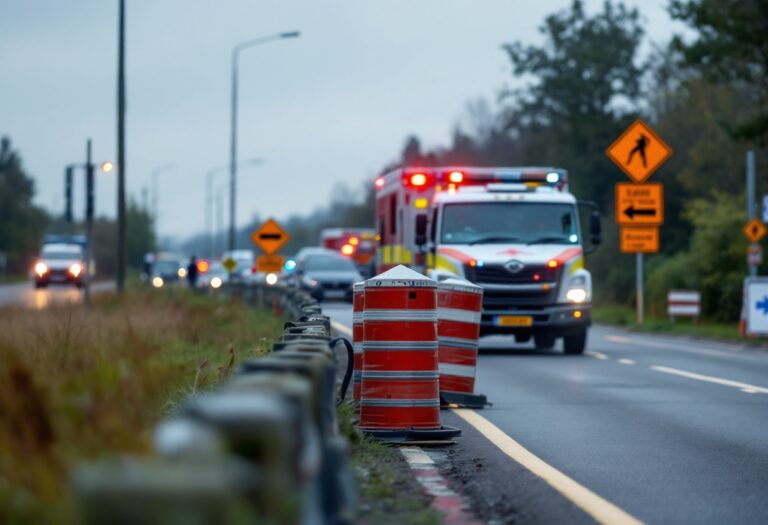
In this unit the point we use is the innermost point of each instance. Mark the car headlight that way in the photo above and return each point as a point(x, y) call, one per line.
point(271, 279)
point(182, 272)
point(216, 282)
point(41, 269)
point(75, 269)
point(312, 283)
point(576, 295)
point(157, 282)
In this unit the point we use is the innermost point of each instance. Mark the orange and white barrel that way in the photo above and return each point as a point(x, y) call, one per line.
point(358, 302)
point(400, 379)
point(459, 305)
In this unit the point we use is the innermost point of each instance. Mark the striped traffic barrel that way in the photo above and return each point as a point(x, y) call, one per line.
point(459, 304)
point(400, 379)
point(358, 302)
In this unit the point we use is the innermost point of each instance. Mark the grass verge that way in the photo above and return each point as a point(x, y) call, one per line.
point(78, 383)
point(626, 317)
point(389, 493)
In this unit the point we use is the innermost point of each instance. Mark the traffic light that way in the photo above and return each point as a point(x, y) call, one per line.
point(68, 176)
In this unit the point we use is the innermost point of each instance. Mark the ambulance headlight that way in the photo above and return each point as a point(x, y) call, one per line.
point(552, 177)
point(576, 295)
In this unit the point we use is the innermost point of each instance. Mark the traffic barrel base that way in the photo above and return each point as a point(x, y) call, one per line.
point(413, 436)
point(463, 400)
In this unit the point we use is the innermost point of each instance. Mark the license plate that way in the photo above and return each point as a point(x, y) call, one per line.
point(335, 294)
point(514, 320)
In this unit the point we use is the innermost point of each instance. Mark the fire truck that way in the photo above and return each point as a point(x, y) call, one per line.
point(514, 231)
point(359, 244)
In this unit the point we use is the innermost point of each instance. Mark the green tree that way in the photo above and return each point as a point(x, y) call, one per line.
point(731, 48)
point(21, 222)
point(585, 79)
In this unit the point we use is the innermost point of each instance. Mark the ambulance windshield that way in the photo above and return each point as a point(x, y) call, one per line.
point(505, 223)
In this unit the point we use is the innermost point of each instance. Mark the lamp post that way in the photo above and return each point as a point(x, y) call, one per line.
point(155, 210)
point(233, 131)
point(209, 197)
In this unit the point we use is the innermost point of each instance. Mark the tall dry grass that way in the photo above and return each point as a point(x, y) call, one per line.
point(79, 383)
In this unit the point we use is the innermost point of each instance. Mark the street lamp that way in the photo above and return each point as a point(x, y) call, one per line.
point(233, 131)
point(209, 197)
point(155, 213)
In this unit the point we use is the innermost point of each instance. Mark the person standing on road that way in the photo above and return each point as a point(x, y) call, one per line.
point(192, 272)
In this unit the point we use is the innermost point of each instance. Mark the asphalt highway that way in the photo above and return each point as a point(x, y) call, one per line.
point(664, 429)
point(25, 294)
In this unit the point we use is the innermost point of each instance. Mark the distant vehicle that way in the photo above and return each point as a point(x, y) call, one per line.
point(359, 244)
point(215, 277)
point(167, 271)
point(325, 275)
point(60, 262)
point(513, 231)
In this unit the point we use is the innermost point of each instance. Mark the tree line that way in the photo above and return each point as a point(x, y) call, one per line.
point(23, 224)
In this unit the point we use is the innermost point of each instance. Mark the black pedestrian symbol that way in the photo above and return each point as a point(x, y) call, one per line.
point(640, 144)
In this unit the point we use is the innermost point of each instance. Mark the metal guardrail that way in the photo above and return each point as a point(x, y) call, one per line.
point(264, 448)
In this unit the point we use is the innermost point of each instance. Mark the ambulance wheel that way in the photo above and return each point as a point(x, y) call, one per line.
point(543, 341)
point(575, 344)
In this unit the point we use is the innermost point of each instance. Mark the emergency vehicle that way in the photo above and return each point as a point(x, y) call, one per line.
point(359, 244)
point(513, 231)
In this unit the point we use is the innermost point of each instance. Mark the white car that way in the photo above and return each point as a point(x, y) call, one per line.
point(62, 263)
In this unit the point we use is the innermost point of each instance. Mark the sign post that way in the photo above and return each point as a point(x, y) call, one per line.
point(639, 207)
point(270, 237)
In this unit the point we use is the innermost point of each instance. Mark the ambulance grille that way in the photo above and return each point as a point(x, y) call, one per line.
point(498, 274)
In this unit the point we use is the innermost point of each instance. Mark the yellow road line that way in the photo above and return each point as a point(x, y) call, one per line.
point(344, 329)
point(599, 509)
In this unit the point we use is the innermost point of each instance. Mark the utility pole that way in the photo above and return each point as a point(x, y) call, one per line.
point(89, 204)
point(68, 181)
point(121, 227)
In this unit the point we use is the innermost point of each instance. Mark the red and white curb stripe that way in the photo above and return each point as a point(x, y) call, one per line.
point(444, 500)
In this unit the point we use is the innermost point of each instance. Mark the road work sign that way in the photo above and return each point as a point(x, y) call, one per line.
point(639, 239)
point(756, 307)
point(270, 237)
point(639, 204)
point(229, 264)
point(639, 151)
point(755, 230)
point(270, 263)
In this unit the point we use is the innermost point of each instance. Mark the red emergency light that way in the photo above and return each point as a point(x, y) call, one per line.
point(418, 179)
point(379, 183)
point(348, 249)
point(456, 177)
point(202, 266)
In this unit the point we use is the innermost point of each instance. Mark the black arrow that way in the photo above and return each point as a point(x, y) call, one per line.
point(632, 211)
point(270, 236)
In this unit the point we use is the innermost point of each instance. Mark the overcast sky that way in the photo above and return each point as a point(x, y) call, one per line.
point(332, 106)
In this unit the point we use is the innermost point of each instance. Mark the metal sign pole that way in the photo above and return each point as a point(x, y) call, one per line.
point(639, 291)
point(751, 202)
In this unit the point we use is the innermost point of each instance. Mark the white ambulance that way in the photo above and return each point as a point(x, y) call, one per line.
point(514, 231)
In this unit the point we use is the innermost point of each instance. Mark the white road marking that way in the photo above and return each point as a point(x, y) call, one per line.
point(744, 387)
point(672, 346)
point(596, 355)
point(344, 329)
point(601, 510)
point(416, 456)
point(627, 361)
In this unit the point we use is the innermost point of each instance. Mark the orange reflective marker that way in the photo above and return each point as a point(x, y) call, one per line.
point(639, 204)
point(639, 151)
point(639, 239)
point(755, 230)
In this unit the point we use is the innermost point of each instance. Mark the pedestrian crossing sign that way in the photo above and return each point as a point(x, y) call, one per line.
point(639, 151)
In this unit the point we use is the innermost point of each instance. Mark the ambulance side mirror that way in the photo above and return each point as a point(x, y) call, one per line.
point(421, 230)
point(595, 228)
